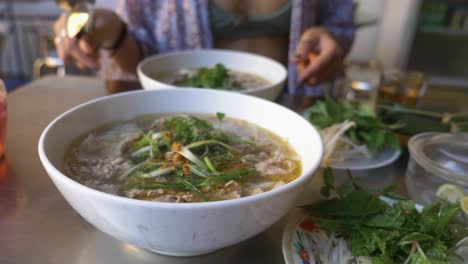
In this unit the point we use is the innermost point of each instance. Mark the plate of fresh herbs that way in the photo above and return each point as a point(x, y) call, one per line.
point(352, 224)
point(354, 138)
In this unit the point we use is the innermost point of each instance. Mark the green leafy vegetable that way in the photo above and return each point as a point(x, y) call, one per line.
point(216, 77)
point(417, 120)
point(210, 165)
point(220, 116)
point(188, 130)
point(387, 233)
point(183, 153)
point(328, 182)
point(368, 129)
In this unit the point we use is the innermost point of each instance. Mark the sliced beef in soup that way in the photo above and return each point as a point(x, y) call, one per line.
point(182, 158)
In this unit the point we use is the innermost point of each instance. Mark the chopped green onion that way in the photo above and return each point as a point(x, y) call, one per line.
point(154, 150)
point(157, 135)
point(210, 165)
point(192, 188)
point(205, 142)
point(130, 171)
point(192, 157)
point(162, 185)
point(199, 171)
point(157, 173)
point(140, 151)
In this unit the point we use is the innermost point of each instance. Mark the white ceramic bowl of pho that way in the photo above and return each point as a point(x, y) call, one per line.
point(246, 72)
point(101, 133)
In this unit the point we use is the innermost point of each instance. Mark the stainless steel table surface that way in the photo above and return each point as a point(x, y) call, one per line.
point(38, 226)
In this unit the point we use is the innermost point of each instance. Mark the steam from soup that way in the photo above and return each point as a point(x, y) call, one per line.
point(182, 158)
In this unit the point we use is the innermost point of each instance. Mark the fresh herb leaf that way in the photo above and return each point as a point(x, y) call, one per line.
point(325, 191)
point(190, 129)
point(328, 177)
point(369, 130)
point(446, 215)
point(389, 233)
point(356, 204)
point(220, 116)
point(216, 77)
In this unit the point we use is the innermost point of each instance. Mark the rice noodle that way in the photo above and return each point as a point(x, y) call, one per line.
point(338, 146)
point(329, 248)
point(331, 136)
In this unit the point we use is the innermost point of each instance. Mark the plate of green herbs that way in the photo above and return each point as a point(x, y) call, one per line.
point(352, 224)
point(353, 136)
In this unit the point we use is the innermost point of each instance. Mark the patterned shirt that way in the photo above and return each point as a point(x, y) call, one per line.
point(169, 25)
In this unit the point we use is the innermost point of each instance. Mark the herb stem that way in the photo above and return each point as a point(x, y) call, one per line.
point(411, 111)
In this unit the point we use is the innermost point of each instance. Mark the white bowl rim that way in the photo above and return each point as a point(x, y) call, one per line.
point(232, 52)
point(166, 205)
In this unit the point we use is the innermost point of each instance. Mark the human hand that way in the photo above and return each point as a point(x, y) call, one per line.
point(84, 52)
point(318, 56)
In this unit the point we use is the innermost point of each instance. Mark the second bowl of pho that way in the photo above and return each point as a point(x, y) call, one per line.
point(214, 69)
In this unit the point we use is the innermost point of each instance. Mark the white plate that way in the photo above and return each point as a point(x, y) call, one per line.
point(377, 160)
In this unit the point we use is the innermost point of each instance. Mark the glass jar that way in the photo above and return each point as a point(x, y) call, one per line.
point(364, 93)
point(414, 88)
point(436, 159)
point(403, 87)
point(392, 85)
point(362, 83)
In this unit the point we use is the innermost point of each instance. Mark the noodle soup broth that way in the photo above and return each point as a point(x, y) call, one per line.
point(182, 158)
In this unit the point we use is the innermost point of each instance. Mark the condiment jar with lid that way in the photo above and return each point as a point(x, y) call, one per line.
point(436, 159)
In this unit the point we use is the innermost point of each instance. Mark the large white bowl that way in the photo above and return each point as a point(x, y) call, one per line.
point(170, 228)
point(262, 66)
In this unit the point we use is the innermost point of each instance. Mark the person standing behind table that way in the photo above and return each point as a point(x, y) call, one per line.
point(285, 30)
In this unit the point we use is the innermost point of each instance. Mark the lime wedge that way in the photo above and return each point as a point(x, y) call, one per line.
point(451, 193)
